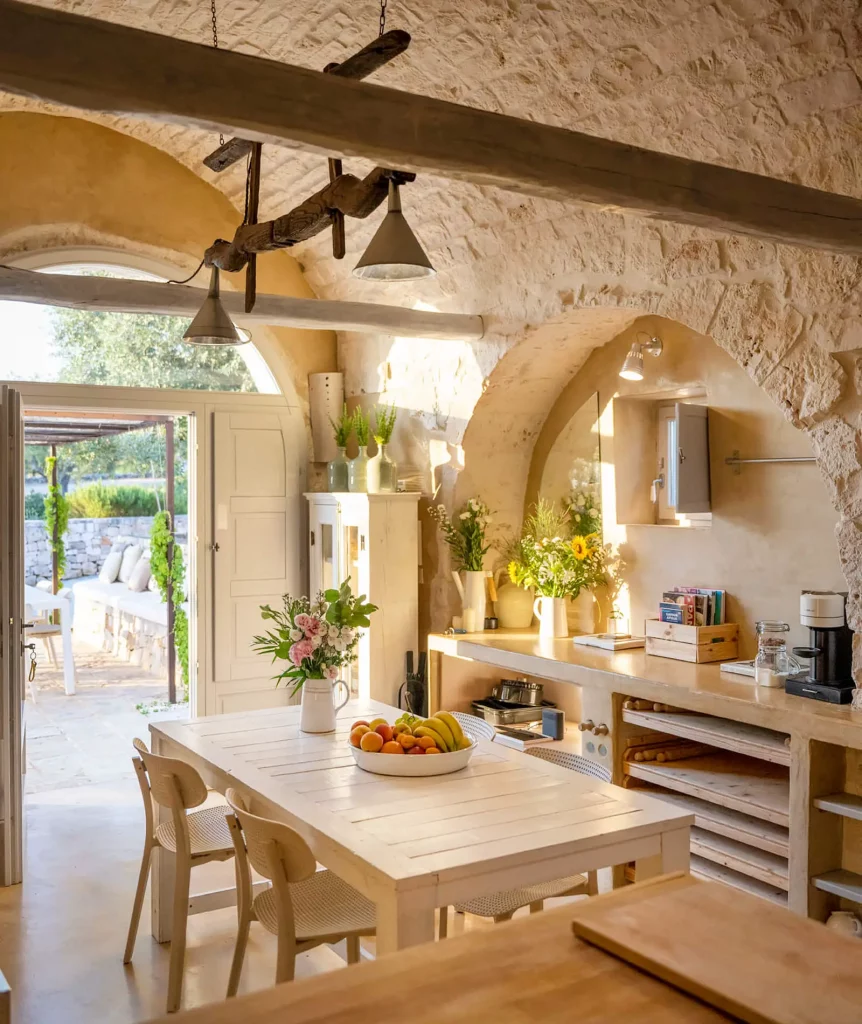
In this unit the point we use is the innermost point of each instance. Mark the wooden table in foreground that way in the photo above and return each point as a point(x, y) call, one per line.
point(728, 947)
point(412, 845)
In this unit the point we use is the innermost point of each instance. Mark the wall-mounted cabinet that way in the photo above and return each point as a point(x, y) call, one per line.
point(373, 539)
point(661, 462)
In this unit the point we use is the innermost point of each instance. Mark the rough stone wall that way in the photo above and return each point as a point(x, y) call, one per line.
point(88, 544)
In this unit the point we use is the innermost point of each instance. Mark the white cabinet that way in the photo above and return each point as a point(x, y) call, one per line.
point(373, 539)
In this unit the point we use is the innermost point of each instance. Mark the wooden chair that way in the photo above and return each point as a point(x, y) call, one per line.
point(304, 907)
point(195, 838)
point(501, 906)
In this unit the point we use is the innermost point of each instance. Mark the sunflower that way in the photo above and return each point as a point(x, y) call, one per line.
point(580, 548)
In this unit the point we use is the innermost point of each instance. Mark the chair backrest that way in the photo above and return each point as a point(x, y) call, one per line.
point(275, 850)
point(474, 728)
point(171, 780)
point(575, 762)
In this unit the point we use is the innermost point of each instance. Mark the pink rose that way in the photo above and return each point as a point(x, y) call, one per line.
point(302, 621)
point(299, 651)
point(315, 627)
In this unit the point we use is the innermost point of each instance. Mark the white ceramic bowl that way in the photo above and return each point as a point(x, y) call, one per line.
point(412, 765)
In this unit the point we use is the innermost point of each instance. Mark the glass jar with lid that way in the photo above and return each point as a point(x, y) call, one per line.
point(773, 664)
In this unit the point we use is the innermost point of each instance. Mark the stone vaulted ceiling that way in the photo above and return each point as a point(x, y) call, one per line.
point(768, 86)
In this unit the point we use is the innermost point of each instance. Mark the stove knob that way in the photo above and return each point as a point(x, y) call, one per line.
point(601, 730)
point(587, 726)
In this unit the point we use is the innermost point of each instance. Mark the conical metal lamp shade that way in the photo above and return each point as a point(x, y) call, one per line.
point(394, 253)
point(212, 325)
point(633, 367)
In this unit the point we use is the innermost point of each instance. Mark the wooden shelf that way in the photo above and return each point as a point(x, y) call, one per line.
point(845, 804)
point(840, 883)
point(766, 867)
point(744, 784)
point(764, 835)
point(752, 740)
point(706, 869)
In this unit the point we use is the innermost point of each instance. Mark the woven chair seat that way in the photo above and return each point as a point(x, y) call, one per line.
point(513, 899)
point(208, 832)
point(322, 905)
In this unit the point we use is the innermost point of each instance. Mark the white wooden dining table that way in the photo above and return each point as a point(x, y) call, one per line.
point(414, 844)
point(37, 601)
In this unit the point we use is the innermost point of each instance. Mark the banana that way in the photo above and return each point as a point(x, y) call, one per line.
point(439, 726)
point(454, 728)
point(439, 741)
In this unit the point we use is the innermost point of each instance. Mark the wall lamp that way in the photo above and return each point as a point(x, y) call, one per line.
point(633, 367)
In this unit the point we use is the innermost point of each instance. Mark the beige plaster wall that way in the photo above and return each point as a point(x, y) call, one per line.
point(773, 526)
point(66, 182)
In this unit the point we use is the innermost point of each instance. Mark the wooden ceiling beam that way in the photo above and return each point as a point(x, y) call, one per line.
point(95, 65)
point(112, 295)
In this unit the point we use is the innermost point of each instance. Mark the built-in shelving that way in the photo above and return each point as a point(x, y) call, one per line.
point(840, 883)
point(712, 872)
point(764, 835)
point(845, 804)
point(738, 737)
point(765, 867)
point(758, 788)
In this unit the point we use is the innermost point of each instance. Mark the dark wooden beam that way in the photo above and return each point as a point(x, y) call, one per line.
point(365, 62)
point(253, 199)
point(100, 66)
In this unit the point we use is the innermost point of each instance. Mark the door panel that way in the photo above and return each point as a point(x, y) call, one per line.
point(11, 634)
point(257, 533)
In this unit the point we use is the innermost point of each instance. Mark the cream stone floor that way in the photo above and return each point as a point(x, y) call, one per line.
point(62, 932)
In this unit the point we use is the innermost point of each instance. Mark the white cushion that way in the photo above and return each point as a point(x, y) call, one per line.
point(110, 569)
point(140, 577)
point(153, 585)
point(131, 557)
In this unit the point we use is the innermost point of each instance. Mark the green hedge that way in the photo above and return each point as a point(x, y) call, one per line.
point(99, 501)
point(34, 505)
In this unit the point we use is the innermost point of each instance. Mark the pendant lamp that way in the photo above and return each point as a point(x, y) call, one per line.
point(212, 325)
point(394, 253)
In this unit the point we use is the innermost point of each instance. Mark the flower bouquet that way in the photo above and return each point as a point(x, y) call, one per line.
point(317, 638)
point(465, 535)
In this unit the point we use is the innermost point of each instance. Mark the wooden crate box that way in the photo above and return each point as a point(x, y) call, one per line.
point(692, 643)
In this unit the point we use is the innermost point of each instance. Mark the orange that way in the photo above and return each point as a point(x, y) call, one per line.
point(433, 750)
point(360, 722)
point(371, 741)
point(392, 748)
point(425, 742)
point(406, 740)
point(357, 734)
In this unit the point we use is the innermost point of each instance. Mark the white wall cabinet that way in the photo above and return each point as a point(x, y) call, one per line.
point(373, 539)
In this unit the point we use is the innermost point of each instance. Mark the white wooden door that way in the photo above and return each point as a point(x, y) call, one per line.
point(11, 634)
point(256, 551)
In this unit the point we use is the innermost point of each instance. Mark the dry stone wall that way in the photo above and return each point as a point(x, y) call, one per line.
point(88, 544)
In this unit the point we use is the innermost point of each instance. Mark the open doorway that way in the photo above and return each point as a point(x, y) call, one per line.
point(106, 587)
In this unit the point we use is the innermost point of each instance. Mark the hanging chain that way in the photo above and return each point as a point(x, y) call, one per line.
point(382, 16)
point(215, 47)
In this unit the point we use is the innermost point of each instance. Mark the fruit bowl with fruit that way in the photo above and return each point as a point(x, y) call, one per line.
point(411, 746)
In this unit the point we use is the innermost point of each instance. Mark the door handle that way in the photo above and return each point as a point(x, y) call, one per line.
point(216, 547)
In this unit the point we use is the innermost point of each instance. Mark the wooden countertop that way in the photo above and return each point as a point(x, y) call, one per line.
point(726, 946)
point(694, 687)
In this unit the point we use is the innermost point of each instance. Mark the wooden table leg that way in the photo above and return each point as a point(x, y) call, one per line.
point(162, 875)
point(674, 856)
point(404, 919)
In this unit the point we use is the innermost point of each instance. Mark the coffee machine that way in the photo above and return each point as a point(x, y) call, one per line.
point(830, 656)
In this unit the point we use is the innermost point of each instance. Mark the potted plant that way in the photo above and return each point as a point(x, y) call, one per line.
point(465, 535)
point(337, 468)
point(556, 563)
point(381, 469)
point(317, 639)
point(357, 473)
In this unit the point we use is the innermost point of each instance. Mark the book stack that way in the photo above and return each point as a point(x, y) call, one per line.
point(693, 606)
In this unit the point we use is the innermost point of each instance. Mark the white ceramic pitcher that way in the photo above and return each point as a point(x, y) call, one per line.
point(472, 594)
point(551, 613)
point(318, 709)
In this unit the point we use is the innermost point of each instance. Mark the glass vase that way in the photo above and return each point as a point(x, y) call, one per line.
point(387, 471)
point(357, 474)
point(337, 471)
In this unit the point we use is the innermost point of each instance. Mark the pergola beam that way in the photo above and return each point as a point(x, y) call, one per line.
point(95, 65)
point(111, 295)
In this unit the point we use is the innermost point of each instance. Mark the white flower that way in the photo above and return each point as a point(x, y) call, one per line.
point(473, 504)
point(340, 645)
point(333, 632)
point(316, 641)
point(464, 515)
point(347, 635)
point(331, 672)
point(577, 517)
point(296, 634)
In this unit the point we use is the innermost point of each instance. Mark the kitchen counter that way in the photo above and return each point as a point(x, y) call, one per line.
point(694, 687)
